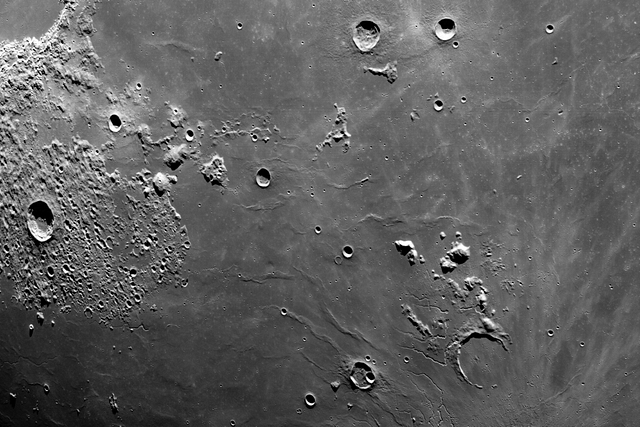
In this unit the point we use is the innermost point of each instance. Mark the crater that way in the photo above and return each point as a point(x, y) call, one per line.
point(445, 29)
point(310, 400)
point(263, 177)
point(189, 135)
point(370, 377)
point(115, 122)
point(40, 220)
point(366, 35)
point(347, 251)
point(483, 327)
point(484, 360)
point(362, 376)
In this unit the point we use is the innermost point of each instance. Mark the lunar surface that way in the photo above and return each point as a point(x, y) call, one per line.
point(319, 213)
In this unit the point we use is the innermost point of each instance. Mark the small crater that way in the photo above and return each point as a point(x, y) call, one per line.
point(263, 177)
point(189, 135)
point(115, 123)
point(40, 220)
point(347, 251)
point(178, 116)
point(310, 400)
point(549, 29)
point(445, 29)
point(239, 25)
point(361, 374)
point(438, 105)
point(550, 332)
point(46, 388)
point(366, 35)
point(317, 229)
point(370, 377)
point(455, 44)
point(283, 311)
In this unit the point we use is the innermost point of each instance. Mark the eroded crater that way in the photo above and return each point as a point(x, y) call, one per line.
point(40, 220)
point(362, 376)
point(366, 35)
point(482, 327)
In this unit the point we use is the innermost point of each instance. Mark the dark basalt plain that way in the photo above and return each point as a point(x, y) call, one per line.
point(235, 225)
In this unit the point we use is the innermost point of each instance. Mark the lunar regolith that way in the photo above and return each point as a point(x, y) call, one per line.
point(338, 213)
